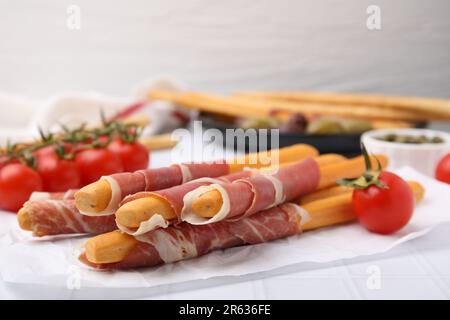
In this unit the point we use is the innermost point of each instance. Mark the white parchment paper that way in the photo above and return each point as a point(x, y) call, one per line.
point(54, 261)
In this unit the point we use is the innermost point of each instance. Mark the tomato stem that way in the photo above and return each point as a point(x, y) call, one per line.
point(369, 176)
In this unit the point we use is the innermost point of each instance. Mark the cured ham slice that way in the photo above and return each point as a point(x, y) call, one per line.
point(174, 197)
point(37, 196)
point(56, 217)
point(124, 184)
point(244, 197)
point(185, 241)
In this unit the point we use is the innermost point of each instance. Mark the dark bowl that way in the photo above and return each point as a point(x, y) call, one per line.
point(345, 144)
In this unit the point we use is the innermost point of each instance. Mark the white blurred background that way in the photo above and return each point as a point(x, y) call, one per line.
point(222, 46)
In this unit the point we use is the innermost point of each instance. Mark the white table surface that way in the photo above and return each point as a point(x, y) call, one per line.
point(419, 269)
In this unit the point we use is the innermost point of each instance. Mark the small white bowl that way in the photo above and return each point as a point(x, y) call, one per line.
point(422, 157)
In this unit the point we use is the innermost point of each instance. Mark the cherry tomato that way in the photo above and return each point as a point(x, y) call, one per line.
point(50, 150)
point(5, 161)
point(94, 163)
point(17, 182)
point(45, 151)
point(384, 210)
point(134, 155)
point(443, 169)
point(58, 175)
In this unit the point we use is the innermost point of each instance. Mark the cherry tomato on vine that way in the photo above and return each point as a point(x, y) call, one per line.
point(134, 155)
point(384, 209)
point(4, 161)
point(57, 174)
point(92, 164)
point(382, 201)
point(50, 151)
point(17, 183)
point(443, 169)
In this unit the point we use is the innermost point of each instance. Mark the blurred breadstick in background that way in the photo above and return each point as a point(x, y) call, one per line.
point(255, 106)
point(158, 142)
point(431, 108)
point(209, 103)
point(341, 110)
point(386, 124)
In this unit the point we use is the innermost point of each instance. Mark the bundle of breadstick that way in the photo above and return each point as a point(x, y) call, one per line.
point(56, 213)
point(262, 105)
point(104, 196)
point(116, 250)
point(206, 202)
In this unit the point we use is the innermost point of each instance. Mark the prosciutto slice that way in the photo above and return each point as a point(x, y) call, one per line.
point(174, 196)
point(56, 217)
point(185, 241)
point(244, 197)
point(37, 196)
point(124, 184)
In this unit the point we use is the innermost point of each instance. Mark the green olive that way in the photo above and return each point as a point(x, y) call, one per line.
point(260, 123)
point(355, 125)
point(324, 126)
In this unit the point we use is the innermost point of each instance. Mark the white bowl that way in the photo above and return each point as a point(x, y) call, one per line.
point(422, 157)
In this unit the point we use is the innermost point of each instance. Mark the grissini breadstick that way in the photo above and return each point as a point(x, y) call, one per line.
point(311, 109)
point(142, 207)
point(99, 198)
point(387, 124)
point(325, 193)
point(254, 106)
point(209, 103)
point(206, 204)
point(115, 250)
point(329, 158)
point(158, 142)
point(338, 190)
point(426, 106)
point(270, 158)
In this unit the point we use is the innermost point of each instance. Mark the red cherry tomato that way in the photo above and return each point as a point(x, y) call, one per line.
point(50, 150)
point(134, 155)
point(17, 182)
point(46, 151)
point(384, 210)
point(94, 163)
point(5, 161)
point(58, 175)
point(443, 169)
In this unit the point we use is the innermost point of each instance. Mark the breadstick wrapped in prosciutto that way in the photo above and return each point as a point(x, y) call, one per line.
point(151, 210)
point(185, 241)
point(56, 217)
point(144, 211)
point(244, 197)
point(104, 196)
point(116, 250)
